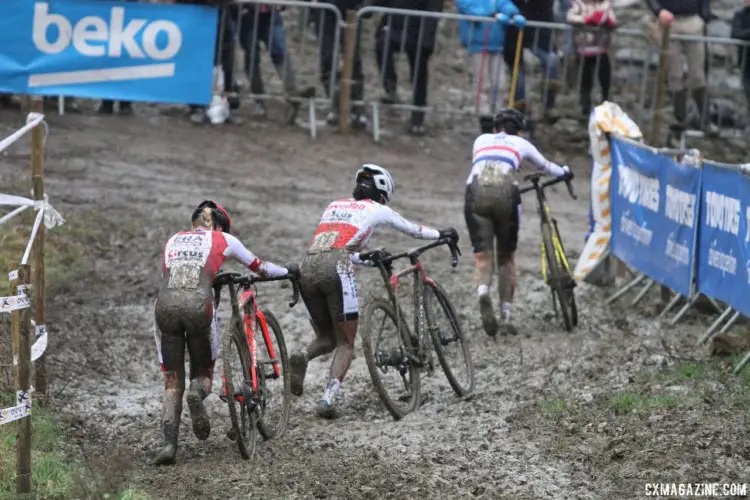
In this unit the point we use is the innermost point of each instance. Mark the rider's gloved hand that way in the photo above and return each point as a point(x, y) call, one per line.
point(449, 233)
point(293, 270)
point(519, 20)
point(502, 18)
point(568, 172)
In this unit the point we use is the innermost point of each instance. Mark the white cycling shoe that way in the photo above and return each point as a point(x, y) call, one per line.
point(328, 403)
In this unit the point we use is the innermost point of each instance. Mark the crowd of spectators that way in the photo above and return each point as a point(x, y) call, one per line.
point(491, 48)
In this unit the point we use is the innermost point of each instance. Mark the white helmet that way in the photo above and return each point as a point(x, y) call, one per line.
point(383, 180)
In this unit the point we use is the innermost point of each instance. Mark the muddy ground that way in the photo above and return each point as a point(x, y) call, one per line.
point(544, 421)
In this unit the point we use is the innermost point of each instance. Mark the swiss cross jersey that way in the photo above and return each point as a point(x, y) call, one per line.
point(348, 224)
point(505, 152)
point(207, 250)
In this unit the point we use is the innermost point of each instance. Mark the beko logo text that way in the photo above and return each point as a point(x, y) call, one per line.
point(92, 36)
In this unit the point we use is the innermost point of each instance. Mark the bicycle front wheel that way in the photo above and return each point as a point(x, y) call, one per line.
point(235, 356)
point(451, 346)
point(570, 284)
point(275, 384)
point(387, 348)
point(556, 277)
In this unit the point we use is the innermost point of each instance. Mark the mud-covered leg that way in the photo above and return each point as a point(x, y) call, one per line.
point(173, 351)
point(202, 343)
point(323, 343)
point(483, 269)
point(506, 286)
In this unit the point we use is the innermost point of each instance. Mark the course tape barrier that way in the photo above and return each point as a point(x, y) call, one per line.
point(607, 118)
point(39, 346)
point(20, 410)
point(655, 206)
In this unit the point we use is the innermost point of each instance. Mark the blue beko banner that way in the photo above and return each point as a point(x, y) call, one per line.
point(654, 202)
point(723, 256)
point(108, 50)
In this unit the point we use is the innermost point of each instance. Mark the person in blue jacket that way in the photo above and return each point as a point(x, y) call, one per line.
point(484, 42)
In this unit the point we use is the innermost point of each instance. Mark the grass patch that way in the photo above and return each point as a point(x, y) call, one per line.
point(629, 402)
point(54, 475)
point(553, 406)
point(64, 247)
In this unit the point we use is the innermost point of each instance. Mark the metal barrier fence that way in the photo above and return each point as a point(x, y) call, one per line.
point(305, 42)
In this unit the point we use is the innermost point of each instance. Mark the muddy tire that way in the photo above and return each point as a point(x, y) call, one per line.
point(450, 336)
point(273, 419)
point(378, 358)
point(557, 279)
point(566, 269)
point(235, 356)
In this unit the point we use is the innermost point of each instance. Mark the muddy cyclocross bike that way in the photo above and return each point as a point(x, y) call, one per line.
point(408, 354)
point(258, 382)
point(556, 270)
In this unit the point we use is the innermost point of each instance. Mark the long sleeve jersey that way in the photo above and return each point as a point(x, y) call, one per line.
point(507, 151)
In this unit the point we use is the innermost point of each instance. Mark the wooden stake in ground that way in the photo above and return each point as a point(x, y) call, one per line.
point(37, 261)
point(661, 83)
point(21, 326)
point(345, 85)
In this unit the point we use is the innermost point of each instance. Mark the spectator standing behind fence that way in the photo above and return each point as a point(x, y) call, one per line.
point(224, 56)
point(416, 37)
point(685, 17)
point(326, 27)
point(263, 24)
point(484, 42)
point(541, 43)
point(598, 19)
point(741, 31)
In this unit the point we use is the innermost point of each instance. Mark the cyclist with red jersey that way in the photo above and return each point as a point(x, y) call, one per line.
point(185, 315)
point(328, 286)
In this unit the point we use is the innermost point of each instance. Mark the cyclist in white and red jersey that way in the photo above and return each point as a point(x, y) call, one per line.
point(493, 209)
point(328, 286)
point(185, 315)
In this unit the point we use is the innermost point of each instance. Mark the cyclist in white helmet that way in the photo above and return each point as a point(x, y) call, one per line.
point(328, 286)
point(493, 209)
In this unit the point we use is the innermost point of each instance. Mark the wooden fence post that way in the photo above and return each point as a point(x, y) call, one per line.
point(345, 85)
point(661, 83)
point(37, 182)
point(21, 324)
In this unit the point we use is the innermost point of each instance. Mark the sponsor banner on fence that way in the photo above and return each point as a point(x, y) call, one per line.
point(655, 214)
point(108, 50)
point(724, 236)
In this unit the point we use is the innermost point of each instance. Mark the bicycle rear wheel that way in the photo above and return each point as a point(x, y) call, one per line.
point(275, 384)
point(235, 356)
point(451, 346)
point(556, 278)
point(392, 357)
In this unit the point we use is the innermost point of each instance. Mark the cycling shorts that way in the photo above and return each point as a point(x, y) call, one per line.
point(329, 288)
point(493, 212)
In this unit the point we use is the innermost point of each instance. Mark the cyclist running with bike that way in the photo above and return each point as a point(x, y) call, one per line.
point(328, 285)
point(185, 314)
point(492, 209)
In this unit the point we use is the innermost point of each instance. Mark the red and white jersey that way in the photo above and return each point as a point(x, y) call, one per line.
point(207, 250)
point(505, 152)
point(349, 223)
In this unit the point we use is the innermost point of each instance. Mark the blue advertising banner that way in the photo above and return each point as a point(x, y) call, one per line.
point(108, 50)
point(655, 207)
point(724, 236)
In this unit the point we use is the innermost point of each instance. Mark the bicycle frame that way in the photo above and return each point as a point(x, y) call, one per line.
point(416, 269)
point(546, 217)
point(248, 305)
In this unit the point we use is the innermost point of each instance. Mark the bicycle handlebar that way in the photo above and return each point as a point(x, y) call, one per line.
point(382, 257)
point(231, 278)
point(536, 176)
